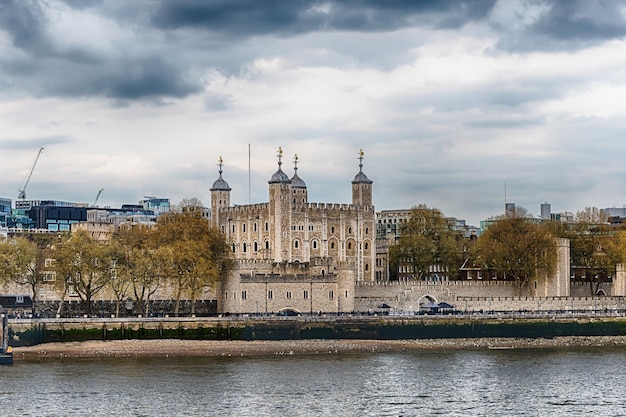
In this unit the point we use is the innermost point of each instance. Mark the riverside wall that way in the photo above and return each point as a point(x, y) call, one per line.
point(32, 332)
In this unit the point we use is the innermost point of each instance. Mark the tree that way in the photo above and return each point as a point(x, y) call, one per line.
point(195, 255)
point(143, 264)
point(517, 248)
point(19, 264)
point(85, 266)
point(595, 248)
point(428, 240)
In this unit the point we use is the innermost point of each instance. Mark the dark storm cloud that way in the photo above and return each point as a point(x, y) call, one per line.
point(46, 68)
point(565, 24)
point(251, 17)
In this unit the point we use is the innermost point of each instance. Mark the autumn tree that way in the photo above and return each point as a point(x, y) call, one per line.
point(19, 264)
point(517, 248)
point(428, 240)
point(143, 264)
point(595, 247)
point(85, 266)
point(195, 254)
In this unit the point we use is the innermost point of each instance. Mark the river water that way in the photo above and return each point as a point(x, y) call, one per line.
point(531, 382)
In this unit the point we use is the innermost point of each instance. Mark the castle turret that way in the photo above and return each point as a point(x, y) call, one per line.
point(298, 186)
point(220, 197)
point(361, 186)
point(279, 211)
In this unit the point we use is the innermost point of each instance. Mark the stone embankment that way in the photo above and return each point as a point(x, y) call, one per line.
point(212, 348)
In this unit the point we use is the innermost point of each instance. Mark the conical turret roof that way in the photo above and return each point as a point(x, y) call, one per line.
point(220, 184)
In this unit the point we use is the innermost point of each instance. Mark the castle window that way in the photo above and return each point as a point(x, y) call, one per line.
point(256, 246)
point(367, 267)
point(315, 244)
point(49, 276)
point(367, 246)
point(223, 229)
point(367, 230)
point(332, 245)
point(288, 295)
point(267, 244)
point(332, 229)
point(254, 226)
point(244, 295)
point(243, 228)
point(331, 294)
point(349, 230)
point(245, 247)
point(305, 295)
point(294, 201)
point(349, 245)
point(233, 248)
point(267, 226)
point(346, 293)
point(233, 228)
point(296, 244)
point(270, 294)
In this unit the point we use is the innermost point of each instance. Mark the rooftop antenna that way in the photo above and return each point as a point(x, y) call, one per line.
point(249, 178)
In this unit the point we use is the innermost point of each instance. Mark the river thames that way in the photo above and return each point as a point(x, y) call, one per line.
point(507, 382)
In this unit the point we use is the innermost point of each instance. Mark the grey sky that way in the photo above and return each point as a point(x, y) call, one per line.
point(448, 99)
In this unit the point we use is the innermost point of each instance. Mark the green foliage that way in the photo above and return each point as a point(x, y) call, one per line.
point(196, 254)
point(517, 248)
point(19, 263)
point(427, 240)
point(84, 266)
point(596, 248)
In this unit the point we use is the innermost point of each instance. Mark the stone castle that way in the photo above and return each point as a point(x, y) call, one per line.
point(293, 254)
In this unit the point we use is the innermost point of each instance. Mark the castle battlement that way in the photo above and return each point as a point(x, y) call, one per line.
point(434, 284)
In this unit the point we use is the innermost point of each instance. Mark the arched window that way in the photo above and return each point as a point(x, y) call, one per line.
point(233, 248)
point(256, 246)
point(296, 244)
point(315, 244)
point(332, 229)
point(367, 246)
point(349, 245)
point(267, 244)
point(245, 247)
point(332, 245)
point(243, 228)
point(267, 226)
point(367, 230)
point(349, 230)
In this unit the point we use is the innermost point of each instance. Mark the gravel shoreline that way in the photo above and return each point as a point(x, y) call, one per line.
point(175, 347)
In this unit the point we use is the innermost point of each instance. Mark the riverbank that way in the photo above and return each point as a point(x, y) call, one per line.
point(174, 347)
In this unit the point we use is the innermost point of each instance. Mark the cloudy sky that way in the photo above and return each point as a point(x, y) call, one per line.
point(450, 100)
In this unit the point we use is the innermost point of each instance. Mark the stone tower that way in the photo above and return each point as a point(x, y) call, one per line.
point(361, 186)
point(298, 186)
point(220, 197)
point(279, 211)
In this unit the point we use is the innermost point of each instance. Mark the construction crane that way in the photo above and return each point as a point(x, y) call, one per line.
point(22, 191)
point(97, 197)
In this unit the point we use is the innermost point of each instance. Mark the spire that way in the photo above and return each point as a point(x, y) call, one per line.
point(279, 176)
point(361, 178)
point(220, 184)
point(296, 181)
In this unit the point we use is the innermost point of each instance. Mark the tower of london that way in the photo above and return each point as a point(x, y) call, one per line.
point(292, 254)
